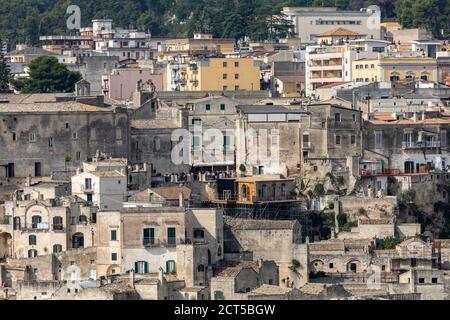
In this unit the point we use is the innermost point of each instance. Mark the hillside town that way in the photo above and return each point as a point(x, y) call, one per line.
point(310, 167)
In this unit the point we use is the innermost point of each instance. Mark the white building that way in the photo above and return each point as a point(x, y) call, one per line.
point(105, 189)
point(309, 22)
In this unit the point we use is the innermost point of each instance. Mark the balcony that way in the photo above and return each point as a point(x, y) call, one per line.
point(167, 242)
point(420, 144)
point(308, 145)
point(380, 172)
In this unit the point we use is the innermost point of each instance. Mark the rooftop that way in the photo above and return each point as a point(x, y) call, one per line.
point(250, 224)
point(50, 107)
point(338, 32)
point(257, 109)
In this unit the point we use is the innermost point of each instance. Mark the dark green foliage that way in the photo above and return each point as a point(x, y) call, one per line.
point(48, 75)
point(388, 243)
point(25, 20)
point(407, 196)
point(5, 72)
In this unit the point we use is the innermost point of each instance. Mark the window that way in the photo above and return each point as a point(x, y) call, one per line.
point(50, 142)
point(141, 267)
point(222, 107)
point(353, 139)
point(78, 156)
point(208, 107)
point(378, 140)
point(88, 184)
point(58, 223)
point(337, 117)
point(14, 136)
point(218, 295)
point(74, 135)
point(35, 221)
point(226, 142)
point(16, 223)
point(156, 144)
point(113, 256)
point(354, 117)
point(149, 236)
point(201, 268)
point(82, 219)
point(57, 248)
point(236, 88)
point(196, 121)
point(196, 142)
point(171, 236)
point(89, 197)
point(421, 280)
point(32, 137)
point(113, 235)
point(338, 140)
point(32, 253)
point(225, 64)
point(67, 125)
point(236, 64)
point(170, 266)
point(434, 280)
point(32, 240)
point(224, 76)
point(236, 76)
point(331, 265)
point(199, 234)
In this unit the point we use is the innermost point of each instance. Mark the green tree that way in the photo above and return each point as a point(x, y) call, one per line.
point(389, 243)
point(48, 75)
point(5, 71)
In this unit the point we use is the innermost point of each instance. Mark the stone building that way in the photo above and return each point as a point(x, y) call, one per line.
point(46, 134)
point(269, 140)
point(185, 242)
point(233, 281)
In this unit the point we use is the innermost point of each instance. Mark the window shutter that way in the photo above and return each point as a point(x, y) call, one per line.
point(136, 270)
point(146, 267)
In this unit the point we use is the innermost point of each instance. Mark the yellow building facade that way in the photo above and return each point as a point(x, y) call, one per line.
point(394, 69)
point(222, 74)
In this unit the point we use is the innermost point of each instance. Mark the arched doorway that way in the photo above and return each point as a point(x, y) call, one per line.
point(354, 266)
point(78, 240)
point(113, 270)
point(244, 191)
point(5, 245)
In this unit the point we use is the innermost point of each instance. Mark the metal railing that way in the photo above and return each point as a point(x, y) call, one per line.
point(421, 144)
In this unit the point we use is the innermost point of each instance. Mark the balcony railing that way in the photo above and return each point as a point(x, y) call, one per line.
point(170, 241)
point(390, 172)
point(379, 172)
point(420, 144)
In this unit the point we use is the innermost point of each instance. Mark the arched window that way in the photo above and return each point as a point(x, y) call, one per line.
point(57, 248)
point(199, 234)
point(201, 268)
point(32, 253)
point(219, 251)
point(274, 190)
point(57, 223)
point(170, 266)
point(32, 240)
point(35, 220)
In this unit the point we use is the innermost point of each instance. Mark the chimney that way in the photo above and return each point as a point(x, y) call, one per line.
point(132, 277)
point(28, 182)
point(180, 200)
point(161, 275)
